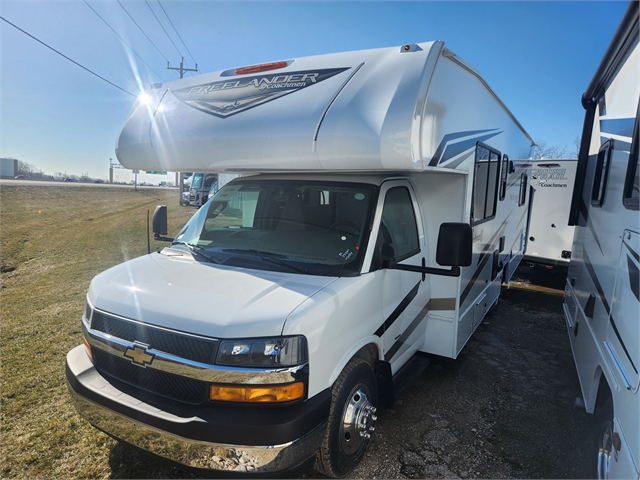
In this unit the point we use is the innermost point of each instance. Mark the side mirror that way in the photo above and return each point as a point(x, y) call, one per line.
point(454, 250)
point(454, 245)
point(160, 224)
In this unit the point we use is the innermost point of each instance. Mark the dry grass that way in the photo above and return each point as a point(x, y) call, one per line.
point(53, 240)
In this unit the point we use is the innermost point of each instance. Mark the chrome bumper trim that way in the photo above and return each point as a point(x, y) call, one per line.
point(195, 453)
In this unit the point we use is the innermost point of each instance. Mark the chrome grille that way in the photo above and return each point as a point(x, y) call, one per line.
point(197, 349)
point(168, 385)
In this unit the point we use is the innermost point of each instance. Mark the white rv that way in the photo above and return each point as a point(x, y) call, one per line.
point(376, 218)
point(602, 297)
point(550, 235)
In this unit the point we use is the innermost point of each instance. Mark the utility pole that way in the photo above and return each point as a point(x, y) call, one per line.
point(182, 69)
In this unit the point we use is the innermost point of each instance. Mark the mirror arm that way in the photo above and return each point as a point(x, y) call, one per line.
point(454, 272)
point(158, 238)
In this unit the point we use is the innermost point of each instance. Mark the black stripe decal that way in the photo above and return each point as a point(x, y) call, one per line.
point(459, 147)
point(596, 282)
point(398, 311)
point(634, 277)
point(624, 347)
point(406, 334)
point(436, 160)
point(585, 214)
point(487, 251)
point(632, 252)
point(472, 282)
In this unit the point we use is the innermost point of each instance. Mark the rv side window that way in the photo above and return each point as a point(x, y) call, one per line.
point(632, 182)
point(503, 176)
point(522, 198)
point(601, 174)
point(485, 187)
point(399, 223)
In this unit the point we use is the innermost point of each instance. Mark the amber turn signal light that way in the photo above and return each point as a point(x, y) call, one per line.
point(87, 346)
point(257, 393)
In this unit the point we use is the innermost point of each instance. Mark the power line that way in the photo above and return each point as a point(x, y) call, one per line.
point(123, 41)
point(163, 56)
point(162, 26)
point(63, 55)
point(174, 29)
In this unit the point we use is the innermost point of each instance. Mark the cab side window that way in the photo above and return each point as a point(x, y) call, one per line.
point(398, 228)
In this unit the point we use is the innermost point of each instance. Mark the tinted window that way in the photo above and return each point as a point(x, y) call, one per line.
point(399, 223)
point(632, 181)
point(485, 187)
point(601, 174)
point(504, 176)
point(522, 198)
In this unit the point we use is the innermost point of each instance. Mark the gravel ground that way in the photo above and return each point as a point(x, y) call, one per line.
point(503, 409)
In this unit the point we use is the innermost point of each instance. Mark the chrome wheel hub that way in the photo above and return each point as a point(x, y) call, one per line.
point(357, 420)
point(604, 453)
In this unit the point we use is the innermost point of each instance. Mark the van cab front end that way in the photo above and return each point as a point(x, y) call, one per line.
point(186, 351)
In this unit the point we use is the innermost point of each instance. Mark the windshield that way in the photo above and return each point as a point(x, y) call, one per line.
point(319, 228)
point(197, 180)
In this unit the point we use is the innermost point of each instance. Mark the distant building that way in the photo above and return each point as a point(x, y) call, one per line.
point(8, 167)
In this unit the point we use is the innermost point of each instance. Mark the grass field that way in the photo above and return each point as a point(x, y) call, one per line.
point(53, 240)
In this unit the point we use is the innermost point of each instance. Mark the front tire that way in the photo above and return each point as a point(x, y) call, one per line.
point(354, 397)
point(604, 440)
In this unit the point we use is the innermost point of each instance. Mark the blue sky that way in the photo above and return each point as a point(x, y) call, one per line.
point(537, 56)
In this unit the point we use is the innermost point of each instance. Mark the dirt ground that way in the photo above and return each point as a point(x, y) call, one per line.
point(503, 409)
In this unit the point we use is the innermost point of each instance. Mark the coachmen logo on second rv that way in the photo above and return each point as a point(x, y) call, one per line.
point(228, 97)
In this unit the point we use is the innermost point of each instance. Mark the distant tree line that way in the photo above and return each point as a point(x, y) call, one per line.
point(31, 171)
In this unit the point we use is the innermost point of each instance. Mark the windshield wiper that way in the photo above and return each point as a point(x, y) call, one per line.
point(198, 249)
point(267, 257)
point(253, 251)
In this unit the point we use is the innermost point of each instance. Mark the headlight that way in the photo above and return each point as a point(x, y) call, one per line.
point(87, 312)
point(263, 352)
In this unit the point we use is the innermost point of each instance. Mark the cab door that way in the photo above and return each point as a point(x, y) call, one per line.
point(404, 295)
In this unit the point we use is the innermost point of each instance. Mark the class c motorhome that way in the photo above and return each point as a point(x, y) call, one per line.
point(550, 236)
point(201, 183)
point(602, 293)
point(376, 216)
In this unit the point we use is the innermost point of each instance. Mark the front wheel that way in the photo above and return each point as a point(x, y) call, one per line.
point(354, 397)
point(604, 439)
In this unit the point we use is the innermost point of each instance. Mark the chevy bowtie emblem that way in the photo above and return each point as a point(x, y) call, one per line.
point(138, 355)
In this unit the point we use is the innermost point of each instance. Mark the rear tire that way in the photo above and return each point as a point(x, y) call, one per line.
point(354, 397)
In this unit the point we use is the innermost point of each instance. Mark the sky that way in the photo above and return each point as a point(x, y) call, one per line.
point(537, 56)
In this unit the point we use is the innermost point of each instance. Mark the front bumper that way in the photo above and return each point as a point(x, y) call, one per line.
point(220, 438)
